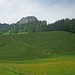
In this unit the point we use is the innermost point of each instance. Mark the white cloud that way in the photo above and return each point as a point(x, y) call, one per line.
point(51, 10)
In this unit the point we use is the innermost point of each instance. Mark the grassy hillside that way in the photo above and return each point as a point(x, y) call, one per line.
point(47, 53)
point(36, 45)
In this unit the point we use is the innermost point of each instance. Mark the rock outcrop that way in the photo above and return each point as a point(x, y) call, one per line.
point(27, 20)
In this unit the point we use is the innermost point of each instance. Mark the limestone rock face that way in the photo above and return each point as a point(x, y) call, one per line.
point(27, 19)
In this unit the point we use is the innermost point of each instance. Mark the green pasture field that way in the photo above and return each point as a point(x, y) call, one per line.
point(63, 65)
point(43, 53)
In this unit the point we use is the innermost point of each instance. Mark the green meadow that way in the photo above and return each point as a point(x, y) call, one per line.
point(43, 53)
point(49, 66)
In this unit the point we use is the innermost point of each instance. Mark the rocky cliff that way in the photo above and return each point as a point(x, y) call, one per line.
point(27, 20)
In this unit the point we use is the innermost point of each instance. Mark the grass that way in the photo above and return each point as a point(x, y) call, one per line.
point(36, 45)
point(8, 33)
point(50, 66)
point(46, 53)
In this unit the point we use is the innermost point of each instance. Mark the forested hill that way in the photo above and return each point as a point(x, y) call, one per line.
point(63, 25)
point(4, 28)
point(32, 24)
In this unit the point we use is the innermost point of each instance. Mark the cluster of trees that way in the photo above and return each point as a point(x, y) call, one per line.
point(4, 28)
point(62, 25)
point(39, 26)
point(36, 26)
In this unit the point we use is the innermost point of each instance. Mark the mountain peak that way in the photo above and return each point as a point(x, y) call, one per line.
point(27, 19)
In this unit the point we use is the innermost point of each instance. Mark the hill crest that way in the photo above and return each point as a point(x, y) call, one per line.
point(27, 19)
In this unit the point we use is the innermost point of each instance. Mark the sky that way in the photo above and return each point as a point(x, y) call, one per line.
point(12, 11)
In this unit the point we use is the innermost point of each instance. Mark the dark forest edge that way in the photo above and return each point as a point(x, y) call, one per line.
point(38, 26)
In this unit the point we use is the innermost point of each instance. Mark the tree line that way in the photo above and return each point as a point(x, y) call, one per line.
point(62, 25)
point(39, 26)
